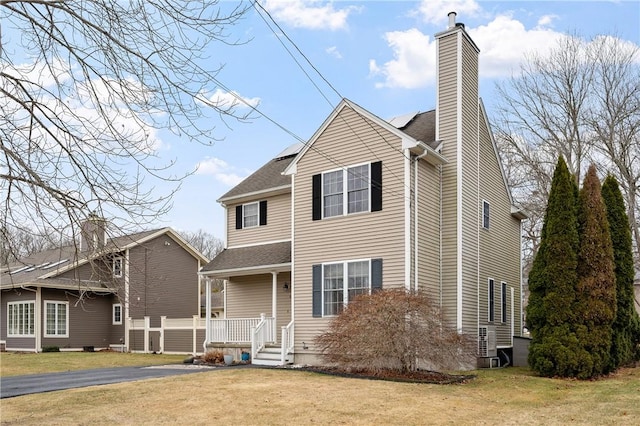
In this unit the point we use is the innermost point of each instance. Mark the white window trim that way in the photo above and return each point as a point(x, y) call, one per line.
point(113, 267)
point(504, 288)
point(46, 319)
point(345, 191)
point(491, 281)
point(345, 281)
point(485, 202)
point(113, 314)
point(257, 204)
point(33, 307)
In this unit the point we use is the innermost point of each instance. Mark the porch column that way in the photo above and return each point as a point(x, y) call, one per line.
point(274, 300)
point(207, 313)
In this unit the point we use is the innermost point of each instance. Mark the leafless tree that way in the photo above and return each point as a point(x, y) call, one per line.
point(206, 243)
point(87, 88)
point(582, 102)
point(16, 243)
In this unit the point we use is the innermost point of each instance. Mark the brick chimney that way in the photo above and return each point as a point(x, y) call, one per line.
point(93, 233)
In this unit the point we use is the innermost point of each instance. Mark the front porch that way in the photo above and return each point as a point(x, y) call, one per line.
point(267, 345)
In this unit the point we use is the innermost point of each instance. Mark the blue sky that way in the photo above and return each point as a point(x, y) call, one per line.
point(379, 54)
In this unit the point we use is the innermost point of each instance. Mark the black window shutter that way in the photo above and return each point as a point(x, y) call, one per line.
point(263, 213)
point(376, 274)
point(239, 217)
point(376, 186)
point(317, 290)
point(317, 197)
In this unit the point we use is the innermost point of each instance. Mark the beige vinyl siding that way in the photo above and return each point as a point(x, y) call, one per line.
point(250, 296)
point(348, 140)
point(278, 225)
point(428, 229)
point(470, 178)
point(447, 132)
point(500, 244)
point(163, 281)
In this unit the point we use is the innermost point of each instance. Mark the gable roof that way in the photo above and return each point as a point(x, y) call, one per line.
point(408, 141)
point(43, 268)
point(266, 179)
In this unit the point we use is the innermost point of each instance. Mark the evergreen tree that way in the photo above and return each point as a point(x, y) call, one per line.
point(595, 305)
point(624, 338)
point(555, 349)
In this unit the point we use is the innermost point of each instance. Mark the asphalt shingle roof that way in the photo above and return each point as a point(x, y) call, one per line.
point(253, 256)
point(423, 128)
point(267, 177)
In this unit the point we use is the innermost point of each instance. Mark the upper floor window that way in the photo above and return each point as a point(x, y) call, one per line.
point(251, 215)
point(485, 214)
point(20, 319)
point(350, 190)
point(117, 267)
point(56, 319)
point(335, 284)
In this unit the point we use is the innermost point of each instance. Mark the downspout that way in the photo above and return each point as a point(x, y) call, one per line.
point(415, 219)
point(127, 313)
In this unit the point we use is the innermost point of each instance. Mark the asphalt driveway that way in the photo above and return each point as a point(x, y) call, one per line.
point(37, 383)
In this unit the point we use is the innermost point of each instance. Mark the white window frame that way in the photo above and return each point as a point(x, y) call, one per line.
point(345, 281)
point(345, 190)
point(257, 215)
point(117, 272)
point(12, 316)
point(491, 299)
point(503, 302)
point(46, 318)
point(486, 219)
point(114, 321)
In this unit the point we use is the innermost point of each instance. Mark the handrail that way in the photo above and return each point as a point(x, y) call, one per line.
point(286, 345)
point(258, 336)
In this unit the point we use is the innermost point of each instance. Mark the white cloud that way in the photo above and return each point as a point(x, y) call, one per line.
point(333, 51)
point(220, 170)
point(310, 14)
point(503, 43)
point(230, 100)
point(546, 20)
point(436, 11)
point(414, 63)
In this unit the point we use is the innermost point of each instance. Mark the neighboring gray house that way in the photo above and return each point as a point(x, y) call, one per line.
point(80, 297)
point(417, 202)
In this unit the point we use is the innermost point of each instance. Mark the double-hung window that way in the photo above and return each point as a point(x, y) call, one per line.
point(503, 301)
point(56, 319)
point(20, 319)
point(485, 214)
point(117, 314)
point(117, 267)
point(251, 215)
point(491, 297)
point(346, 191)
point(336, 284)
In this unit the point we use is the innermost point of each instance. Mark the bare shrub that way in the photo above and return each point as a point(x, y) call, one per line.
point(213, 357)
point(397, 330)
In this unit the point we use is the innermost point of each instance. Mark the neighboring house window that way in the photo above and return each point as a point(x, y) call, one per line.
point(351, 190)
point(56, 319)
point(491, 301)
point(335, 284)
point(117, 314)
point(20, 319)
point(485, 214)
point(503, 301)
point(117, 267)
point(251, 215)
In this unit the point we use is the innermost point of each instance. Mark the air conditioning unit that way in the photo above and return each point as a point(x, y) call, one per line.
point(487, 341)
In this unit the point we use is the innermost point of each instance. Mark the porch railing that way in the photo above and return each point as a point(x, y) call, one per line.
point(287, 341)
point(238, 330)
point(261, 334)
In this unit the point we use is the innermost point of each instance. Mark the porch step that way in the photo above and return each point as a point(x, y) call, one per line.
point(269, 356)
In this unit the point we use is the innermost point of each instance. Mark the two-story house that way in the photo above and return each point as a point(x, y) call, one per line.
point(91, 294)
point(417, 202)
